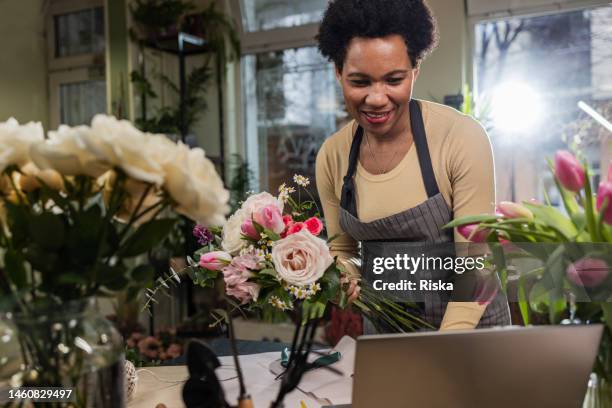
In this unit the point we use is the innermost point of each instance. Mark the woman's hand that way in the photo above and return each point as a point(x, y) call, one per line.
point(353, 291)
point(351, 287)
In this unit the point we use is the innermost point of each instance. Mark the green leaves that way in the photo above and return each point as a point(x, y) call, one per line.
point(15, 268)
point(147, 236)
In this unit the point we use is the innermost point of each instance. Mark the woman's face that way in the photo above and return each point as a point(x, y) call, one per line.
point(377, 80)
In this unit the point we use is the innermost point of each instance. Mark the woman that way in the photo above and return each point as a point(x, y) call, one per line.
point(402, 168)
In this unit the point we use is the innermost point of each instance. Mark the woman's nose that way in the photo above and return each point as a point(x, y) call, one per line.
point(377, 96)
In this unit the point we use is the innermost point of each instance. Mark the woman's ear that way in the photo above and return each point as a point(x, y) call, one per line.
point(338, 75)
point(416, 74)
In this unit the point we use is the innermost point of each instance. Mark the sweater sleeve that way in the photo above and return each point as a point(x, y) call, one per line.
point(344, 246)
point(472, 176)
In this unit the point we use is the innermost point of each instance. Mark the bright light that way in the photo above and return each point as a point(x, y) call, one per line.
point(515, 107)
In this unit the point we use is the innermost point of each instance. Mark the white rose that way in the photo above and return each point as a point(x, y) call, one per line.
point(15, 142)
point(256, 202)
point(120, 144)
point(232, 241)
point(66, 152)
point(32, 177)
point(301, 258)
point(192, 181)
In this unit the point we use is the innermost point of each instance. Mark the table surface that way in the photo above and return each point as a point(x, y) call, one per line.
point(164, 384)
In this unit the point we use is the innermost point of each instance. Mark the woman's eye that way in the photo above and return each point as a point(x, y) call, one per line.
point(358, 82)
point(394, 81)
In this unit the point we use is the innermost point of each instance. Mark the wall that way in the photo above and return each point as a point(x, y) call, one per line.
point(23, 81)
point(443, 72)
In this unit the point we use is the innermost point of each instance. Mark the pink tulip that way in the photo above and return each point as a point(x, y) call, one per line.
point(249, 230)
point(270, 217)
point(605, 192)
point(473, 233)
point(314, 225)
point(215, 261)
point(588, 272)
point(569, 171)
point(513, 210)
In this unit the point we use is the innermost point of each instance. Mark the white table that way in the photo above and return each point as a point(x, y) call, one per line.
point(164, 384)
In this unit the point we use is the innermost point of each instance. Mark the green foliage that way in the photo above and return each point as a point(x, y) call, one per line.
point(157, 15)
point(65, 245)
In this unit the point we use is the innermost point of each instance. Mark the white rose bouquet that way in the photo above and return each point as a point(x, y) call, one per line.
point(77, 206)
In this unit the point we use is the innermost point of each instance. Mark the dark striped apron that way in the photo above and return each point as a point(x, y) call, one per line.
point(414, 230)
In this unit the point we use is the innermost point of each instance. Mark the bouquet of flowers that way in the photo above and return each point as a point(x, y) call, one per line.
point(573, 249)
point(77, 210)
point(271, 257)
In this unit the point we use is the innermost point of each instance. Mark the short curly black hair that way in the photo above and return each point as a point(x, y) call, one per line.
point(347, 19)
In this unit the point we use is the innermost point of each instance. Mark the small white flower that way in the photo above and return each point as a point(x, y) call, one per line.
point(301, 180)
point(284, 192)
point(279, 304)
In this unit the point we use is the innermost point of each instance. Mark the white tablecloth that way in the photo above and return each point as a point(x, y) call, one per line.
point(317, 388)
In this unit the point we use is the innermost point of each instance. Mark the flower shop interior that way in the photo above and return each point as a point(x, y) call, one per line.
point(242, 85)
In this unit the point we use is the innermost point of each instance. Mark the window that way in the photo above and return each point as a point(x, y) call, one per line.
point(530, 74)
point(259, 15)
point(80, 101)
point(292, 105)
point(80, 32)
point(76, 62)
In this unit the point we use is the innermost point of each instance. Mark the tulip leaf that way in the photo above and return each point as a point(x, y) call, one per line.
point(552, 218)
point(472, 219)
point(606, 308)
point(268, 271)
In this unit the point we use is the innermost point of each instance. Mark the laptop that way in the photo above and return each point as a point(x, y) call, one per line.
point(543, 366)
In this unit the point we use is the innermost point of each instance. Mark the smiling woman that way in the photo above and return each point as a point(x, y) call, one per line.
point(402, 168)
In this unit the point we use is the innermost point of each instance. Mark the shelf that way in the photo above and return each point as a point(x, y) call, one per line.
point(181, 43)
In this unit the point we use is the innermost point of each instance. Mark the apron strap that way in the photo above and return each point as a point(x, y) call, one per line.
point(420, 142)
point(348, 199)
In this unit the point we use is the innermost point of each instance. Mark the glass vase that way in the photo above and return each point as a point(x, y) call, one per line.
point(599, 393)
point(72, 346)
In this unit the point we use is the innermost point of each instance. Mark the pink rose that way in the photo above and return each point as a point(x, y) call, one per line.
point(215, 261)
point(301, 258)
point(605, 192)
point(314, 225)
point(150, 347)
point(236, 276)
point(174, 350)
point(249, 230)
point(588, 272)
point(287, 219)
point(472, 233)
point(569, 171)
point(270, 217)
point(513, 210)
point(295, 227)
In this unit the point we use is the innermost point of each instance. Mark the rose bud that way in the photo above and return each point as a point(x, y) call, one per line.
point(472, 233)
point(270, 217)
point(295, 227)
point(605, 192)
point(215, 261)
point(587, 272)
point(513, 210)
point(249, 230)
point(314, 225)
point(569, 171)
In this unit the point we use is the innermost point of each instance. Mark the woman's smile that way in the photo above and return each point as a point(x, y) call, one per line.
point(377, 117)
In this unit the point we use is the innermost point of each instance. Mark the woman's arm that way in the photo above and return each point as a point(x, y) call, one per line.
point(472, 176)
point(344, 246)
